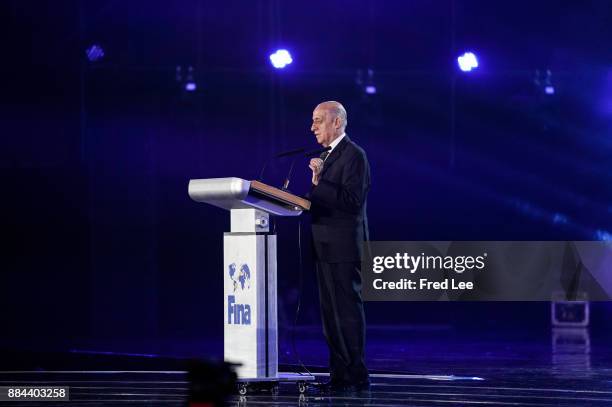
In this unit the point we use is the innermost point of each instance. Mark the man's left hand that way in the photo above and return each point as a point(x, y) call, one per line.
point(316, 165)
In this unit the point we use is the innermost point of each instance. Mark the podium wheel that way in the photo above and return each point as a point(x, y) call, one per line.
point(301, 387)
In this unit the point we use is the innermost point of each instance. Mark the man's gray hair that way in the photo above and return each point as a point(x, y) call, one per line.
point(337, 110)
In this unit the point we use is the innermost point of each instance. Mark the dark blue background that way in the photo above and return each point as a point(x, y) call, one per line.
point(103, 249)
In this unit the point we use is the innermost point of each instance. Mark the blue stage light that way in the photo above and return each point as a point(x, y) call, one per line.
point(370, 89)
point(94, 53)
point(190, 83)
point(603, 235)
point(543, 81)
point(281, 58)
point(559, 218)
point(467, 62)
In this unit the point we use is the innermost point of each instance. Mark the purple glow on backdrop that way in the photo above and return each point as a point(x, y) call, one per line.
point(549, 90)
point(281, 58)
point(467, 62)
point(370, 89)
point(190, 86)
point(559, 218)
point(603, 235)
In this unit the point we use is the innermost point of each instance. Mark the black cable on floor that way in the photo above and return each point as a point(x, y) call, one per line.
point(299, 301)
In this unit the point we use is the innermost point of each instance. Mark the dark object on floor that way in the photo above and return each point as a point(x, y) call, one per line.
point(210, 383)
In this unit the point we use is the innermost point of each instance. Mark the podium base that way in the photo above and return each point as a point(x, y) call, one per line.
point(270, 384)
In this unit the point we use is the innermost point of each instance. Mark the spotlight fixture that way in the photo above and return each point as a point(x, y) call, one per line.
point(190, 84)
point(543, 81)
point(467, 62)
point(281, 58)
point(94, 53)
point(186, 79)
point(366, 85)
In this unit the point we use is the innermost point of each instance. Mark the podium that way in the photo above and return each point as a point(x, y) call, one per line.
point(249, 269)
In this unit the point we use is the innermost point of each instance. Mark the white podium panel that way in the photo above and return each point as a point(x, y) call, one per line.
point(249, 267)
point(250, 309)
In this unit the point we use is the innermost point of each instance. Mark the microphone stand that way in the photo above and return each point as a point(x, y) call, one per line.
point(310, 153)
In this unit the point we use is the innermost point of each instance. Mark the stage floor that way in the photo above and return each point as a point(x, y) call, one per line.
point(567, 367)
point(514, 387)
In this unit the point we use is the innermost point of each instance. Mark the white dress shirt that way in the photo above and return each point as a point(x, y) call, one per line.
point(335, 143)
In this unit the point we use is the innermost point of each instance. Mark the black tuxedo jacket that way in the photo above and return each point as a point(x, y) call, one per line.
point(338, 209)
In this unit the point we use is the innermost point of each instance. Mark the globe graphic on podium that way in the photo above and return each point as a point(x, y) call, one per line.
point(241, 277)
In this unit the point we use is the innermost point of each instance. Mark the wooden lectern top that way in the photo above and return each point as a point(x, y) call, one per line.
point(258, 187)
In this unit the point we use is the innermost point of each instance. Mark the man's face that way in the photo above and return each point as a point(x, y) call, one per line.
point(324, 126)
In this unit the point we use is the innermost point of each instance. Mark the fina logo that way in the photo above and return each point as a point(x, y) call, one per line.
point(239, 314)
point(241, 278)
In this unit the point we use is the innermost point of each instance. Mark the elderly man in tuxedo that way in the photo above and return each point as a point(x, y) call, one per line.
point(340, 185)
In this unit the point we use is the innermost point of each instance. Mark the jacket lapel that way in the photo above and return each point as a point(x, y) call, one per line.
point(336, 152)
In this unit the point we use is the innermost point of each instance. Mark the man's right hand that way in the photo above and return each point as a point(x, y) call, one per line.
point(316, 165)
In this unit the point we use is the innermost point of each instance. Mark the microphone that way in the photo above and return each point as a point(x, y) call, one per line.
point(317, 152)
point(280, 155)
point(286, 183)
point(310, 153)
point(291, 152)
